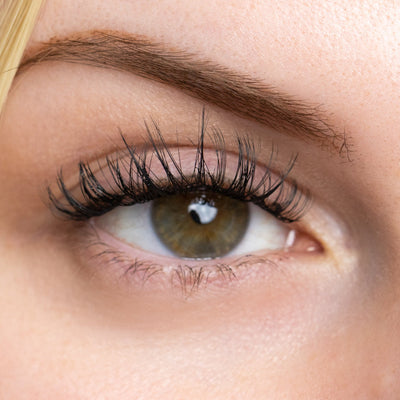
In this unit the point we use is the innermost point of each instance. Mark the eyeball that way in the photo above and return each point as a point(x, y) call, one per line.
point(198, 225)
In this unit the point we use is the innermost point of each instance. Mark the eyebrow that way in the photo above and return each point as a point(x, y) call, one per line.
point(201, 78)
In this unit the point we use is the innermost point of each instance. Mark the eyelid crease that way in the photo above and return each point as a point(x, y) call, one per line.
point(135, 181)
point(242, 95)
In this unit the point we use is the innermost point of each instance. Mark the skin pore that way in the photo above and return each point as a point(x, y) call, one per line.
point(316, 325)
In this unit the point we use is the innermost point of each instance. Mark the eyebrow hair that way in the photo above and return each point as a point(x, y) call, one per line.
point(200, 78)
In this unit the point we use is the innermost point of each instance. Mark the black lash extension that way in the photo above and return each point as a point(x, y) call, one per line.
point(133, 181)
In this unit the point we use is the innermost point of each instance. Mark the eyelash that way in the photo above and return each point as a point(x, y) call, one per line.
point(142, 185)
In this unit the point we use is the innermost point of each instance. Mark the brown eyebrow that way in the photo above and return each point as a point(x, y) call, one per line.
point(203, 79)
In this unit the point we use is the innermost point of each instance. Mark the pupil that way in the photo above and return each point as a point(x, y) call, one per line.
point(202, 212)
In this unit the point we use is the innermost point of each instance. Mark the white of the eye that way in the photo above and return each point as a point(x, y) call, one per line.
point(264, 232)
point(134, 226)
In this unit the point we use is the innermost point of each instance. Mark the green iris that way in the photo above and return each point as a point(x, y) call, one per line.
point(200, 225)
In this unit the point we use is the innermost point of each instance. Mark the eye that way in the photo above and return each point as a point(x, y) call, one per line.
point(199, 225)
point(184, 212)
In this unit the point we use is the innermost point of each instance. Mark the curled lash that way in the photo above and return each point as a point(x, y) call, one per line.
point(139, 184)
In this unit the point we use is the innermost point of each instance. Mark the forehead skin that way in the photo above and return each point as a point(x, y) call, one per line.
point(343, 55)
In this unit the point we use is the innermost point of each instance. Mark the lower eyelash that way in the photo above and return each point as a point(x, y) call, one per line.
point(141, 185)
point(187, 278)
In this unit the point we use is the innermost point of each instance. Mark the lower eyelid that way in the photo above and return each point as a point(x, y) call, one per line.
point(126, 271)
point(123, 265)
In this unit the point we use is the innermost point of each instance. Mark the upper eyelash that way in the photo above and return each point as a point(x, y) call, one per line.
point(289, 203)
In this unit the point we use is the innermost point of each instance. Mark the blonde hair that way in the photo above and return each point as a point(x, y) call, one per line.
point(17, 19)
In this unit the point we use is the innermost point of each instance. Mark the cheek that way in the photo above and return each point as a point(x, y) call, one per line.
point(304, 332)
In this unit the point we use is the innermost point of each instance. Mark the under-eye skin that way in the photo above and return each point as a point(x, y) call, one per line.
point(174, 211)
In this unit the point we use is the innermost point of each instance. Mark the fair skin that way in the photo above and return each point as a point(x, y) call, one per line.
point(322, 325)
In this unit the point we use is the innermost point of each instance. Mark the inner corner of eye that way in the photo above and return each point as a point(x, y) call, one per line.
point(203, 225)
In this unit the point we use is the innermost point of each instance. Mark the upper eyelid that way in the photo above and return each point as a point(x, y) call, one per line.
point(203, 79)
point(98, 199)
